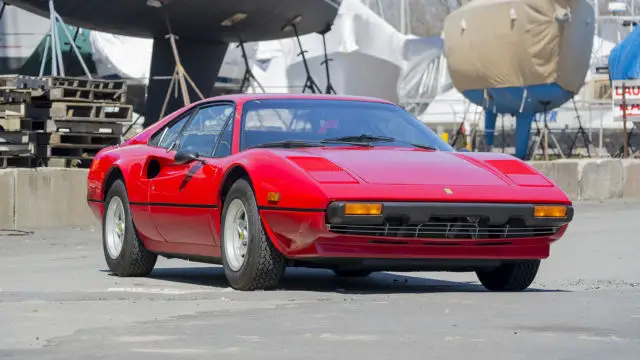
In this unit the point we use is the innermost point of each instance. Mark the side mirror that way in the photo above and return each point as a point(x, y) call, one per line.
point(185, 157)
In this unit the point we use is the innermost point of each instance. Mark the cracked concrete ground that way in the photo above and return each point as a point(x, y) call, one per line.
point(57, 301)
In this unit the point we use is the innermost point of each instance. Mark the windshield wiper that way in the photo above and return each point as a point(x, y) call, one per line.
point(367, 140)
point(287, 144)
point(426, 147)
point(362, 139)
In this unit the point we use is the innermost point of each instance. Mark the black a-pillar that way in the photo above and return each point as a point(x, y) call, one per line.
point(201, 61)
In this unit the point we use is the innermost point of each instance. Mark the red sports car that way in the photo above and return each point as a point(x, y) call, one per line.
point(356, 185)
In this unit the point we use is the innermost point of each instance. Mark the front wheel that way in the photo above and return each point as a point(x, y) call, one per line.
point(250, 260)
point(515, 276)
point(123, 250)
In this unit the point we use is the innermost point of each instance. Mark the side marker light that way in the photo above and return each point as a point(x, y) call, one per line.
point(273, 197)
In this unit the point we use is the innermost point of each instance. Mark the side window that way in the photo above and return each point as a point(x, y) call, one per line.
point(169, 134)
point(203, 130)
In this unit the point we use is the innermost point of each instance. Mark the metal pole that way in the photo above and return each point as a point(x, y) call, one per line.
point(59, 49)
point(181, 79)
point(166, 98)
point(44, 56)
point(73, 46)
point(54, 60)
point(67, 57)
point(57, 52)
point(601, 134)
point(624, 121)
point(403, 10)
point(597, 11)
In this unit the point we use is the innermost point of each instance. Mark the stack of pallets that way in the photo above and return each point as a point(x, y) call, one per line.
point(59, 121)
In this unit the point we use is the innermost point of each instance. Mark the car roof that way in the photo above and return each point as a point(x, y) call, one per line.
point(247, 97)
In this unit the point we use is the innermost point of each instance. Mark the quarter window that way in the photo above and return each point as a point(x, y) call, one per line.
point(167, 137)
point(202, 132)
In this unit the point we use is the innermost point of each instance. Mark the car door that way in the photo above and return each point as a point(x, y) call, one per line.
point(182, 197)
point(156, 153)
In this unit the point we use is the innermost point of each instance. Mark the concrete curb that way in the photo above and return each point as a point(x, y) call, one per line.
point(44, 197)
point(50, 197)
point(594, 179)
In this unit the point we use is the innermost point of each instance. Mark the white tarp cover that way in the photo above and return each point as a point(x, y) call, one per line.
point(130, 57)
point(369, 58)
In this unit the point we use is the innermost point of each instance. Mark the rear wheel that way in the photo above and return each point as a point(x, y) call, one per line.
point(515, 276)
point(250, 260)
point(123, 250)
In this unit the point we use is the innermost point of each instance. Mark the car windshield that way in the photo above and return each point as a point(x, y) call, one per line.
point(294, 122)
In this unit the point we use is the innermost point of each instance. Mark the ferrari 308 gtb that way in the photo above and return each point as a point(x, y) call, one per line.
point(258, 183)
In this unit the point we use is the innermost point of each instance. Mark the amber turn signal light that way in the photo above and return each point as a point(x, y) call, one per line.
point(273, 197)
point(550, 211)
point(363, 209)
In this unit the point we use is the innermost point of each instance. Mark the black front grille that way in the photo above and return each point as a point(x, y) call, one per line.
point(448, 228)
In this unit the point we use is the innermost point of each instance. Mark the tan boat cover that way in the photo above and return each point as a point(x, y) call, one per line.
point(506, 43)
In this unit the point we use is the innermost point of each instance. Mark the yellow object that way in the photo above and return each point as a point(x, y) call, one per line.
point(363, 209)
point(445, 136)
point(273, 197)
point(550, 211)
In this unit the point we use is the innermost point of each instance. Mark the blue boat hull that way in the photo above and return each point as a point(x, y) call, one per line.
point(509, 100)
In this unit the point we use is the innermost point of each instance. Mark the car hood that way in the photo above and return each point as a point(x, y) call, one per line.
point(412, 167)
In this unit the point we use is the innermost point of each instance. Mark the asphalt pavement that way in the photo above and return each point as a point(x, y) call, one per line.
point(58, 301)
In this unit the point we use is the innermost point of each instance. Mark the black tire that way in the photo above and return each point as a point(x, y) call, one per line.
point(352, 273)
point(264, 265)
point(134, 259)
point(515, 276)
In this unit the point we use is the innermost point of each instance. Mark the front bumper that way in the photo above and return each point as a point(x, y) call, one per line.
point(416, 231)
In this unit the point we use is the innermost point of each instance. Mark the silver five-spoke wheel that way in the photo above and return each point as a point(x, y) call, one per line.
point(115, 227)
point(236, 234)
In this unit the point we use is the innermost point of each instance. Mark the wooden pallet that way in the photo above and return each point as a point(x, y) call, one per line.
point(88, 127)
point(21, 161)
point(21, 142)
point(69, 162)
point(103, 140)
point(91, 112)
point(17, 123)
point(16, 149)
point(82, 151)
point(32, 161)
point(14, 137)
point(87, 95)
point(23, 110)
point(12, 96)
point(62, 126)
point(84, 83)
point(22, 82)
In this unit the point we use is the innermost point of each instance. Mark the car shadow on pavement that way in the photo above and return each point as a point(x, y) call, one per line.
point(317, 280)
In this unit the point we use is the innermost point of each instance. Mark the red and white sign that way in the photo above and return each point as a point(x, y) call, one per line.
point(633, 112)
point(631, 91)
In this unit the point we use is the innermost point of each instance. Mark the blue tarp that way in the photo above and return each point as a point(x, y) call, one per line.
point(624, 60)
